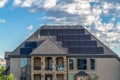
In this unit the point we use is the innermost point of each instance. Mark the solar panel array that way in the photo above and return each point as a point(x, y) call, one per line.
point(85, 50)
point(79, 43)
point(61, 31)
point(73, 37)
point(28, 47)
point(75, 40)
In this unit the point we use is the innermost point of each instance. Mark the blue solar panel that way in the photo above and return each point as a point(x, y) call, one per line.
point(85, 50)
point(44, 31)
point(25, 50)
point(78, 43)
point(73, 37)
point(31, 44)
point(61, 31)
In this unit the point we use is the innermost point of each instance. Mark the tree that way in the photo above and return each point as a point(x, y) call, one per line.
point(3, 76)
point(10, 77)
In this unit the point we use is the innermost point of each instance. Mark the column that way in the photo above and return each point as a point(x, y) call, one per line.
point(42, 68)
point(32, 68)
point(54, 76)
point(65, 76)
point(42, 63)
point(54, 63)
point(54, 67)
point(65, 63)
point(42, 76)
point(65, 68)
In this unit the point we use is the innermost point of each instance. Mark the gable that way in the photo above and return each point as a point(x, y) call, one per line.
point(48, 47)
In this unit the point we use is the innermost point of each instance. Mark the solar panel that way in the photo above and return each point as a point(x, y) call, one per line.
point(85, 50)
point(25, 50)
point(73, 37)
point(31, 44)
point(61, 31)
point(44, 32)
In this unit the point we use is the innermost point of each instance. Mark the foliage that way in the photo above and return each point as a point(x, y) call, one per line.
point(10, 77)
point(5, 77)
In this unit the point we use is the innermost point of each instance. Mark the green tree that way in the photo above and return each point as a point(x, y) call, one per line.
point(10, 77)
point(5, 77)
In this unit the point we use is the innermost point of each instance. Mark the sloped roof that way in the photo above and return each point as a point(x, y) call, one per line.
point(73, 40)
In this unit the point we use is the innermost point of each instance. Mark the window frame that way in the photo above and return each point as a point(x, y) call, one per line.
point(73, 67)
point(23, 62)
point(82, 63)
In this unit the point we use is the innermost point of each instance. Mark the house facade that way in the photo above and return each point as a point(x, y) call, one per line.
point(63, 52)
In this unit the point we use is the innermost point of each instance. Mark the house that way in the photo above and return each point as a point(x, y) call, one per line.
point(63, 52)
point(2, 62)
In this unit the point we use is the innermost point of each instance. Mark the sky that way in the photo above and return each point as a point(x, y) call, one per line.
point(20, 18)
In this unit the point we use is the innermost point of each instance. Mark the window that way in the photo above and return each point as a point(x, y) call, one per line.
point(81, 64)
point(71, 76)
point(23, 62)
point(92, 64)
point(23, 78)
point(71, 64)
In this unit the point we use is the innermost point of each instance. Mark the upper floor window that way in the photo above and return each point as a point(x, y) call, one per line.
point(23, 62)
point(23, 78)
point(82, 64)
point(71, 64)
point(92, 64)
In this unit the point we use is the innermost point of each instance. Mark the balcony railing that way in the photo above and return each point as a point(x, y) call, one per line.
point(60, 67)
point(48, 68)
point(37, 68)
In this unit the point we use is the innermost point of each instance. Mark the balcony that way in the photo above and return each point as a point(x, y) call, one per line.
point(60, 64)
point(37, 63)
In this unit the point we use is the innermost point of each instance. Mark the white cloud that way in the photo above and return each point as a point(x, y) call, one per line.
point(118, 26)
point(50, 3)
point(2, 20)
point(27, 3)
point(32, 10)
point(23, 3)
point(16, 2)
point(47, 4)
point(30, 27)
point(89, 20)
point(2, 3)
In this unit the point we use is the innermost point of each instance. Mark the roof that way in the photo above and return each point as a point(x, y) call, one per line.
point(73, 40)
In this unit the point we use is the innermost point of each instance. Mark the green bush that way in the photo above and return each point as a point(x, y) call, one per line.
point(5, 77)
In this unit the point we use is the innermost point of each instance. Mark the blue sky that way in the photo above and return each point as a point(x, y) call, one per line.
point(20, 18)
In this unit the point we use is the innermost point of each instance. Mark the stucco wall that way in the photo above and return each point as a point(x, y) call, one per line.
point(15, 68)
point(108, 68)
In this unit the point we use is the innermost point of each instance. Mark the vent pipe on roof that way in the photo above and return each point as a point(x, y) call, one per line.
point(38, 36)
